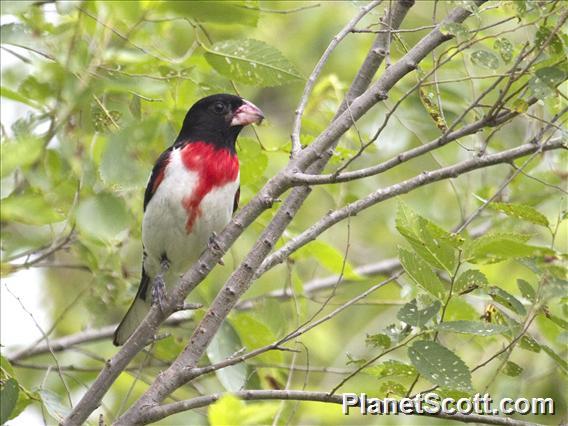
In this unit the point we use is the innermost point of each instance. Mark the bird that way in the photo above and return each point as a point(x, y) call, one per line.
point(191, 195)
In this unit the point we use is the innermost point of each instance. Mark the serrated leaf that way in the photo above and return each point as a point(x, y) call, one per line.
point(512, 369)
point(528, 343)
point(390, 368)
point(505, 48)
point(521, 211)
point(543, 83)
point(8, 397)
point(220, 12)
point(527, 290)
point(439, 365)
point(410, 313)
point(494, 248)
point(251, 62)
point(378, 340)
point(421, 273)
point(506, 299)
point(102, 216)
point(485, 59)
point(472, 327)
point(225, 343)
point(470, 280)
point(432, 243)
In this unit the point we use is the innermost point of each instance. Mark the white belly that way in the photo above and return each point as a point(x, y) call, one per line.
point(164, 225)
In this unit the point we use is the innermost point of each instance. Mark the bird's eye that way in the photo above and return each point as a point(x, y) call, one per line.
point(219, 107)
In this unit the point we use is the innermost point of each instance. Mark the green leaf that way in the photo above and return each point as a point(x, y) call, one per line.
point(15, 96)
point(543, 83)
point(225, 343)
point(218, 12)
point(102, 216)
point(390, 388)
point(253, 162)
point(410, 313)
point(472, 327)
point(470, 280)
point(558, 321)
point(485, 59)
point(506, 299)
point(255, 334)
point(454, 28)
point(511, 369)
point(432, 243)
point(120, 165)
point(421, 273)
point(528, 343)
point(229, 410)
point(22, 152)
point(560, 361)
point(494, 248)
point(331, 258)
point(8, 397)
point(378, 340)
point(521, 211)
point(543, 35)
point(505, 48)
point(390, 368)
point(251, 62)
point(53, 405)
point(439, 365)
point(29, 208)
point(526, 290)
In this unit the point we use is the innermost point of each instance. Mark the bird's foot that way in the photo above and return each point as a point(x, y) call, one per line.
point(159, 291)
point(214, 246)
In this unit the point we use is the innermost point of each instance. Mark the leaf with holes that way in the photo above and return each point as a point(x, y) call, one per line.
point(470, 280)
point(390, 368)
point(543, 84)
point(485, 59)
point(505, 48)
point(410, 313)
point(472, 327)
point(527, 290)
point(251, 62)
point(512, 369)
point(439, 365)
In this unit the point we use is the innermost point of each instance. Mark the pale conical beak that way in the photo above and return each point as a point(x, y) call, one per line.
point(246, 114)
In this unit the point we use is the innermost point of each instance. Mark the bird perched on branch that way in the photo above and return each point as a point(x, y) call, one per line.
point(192, 193)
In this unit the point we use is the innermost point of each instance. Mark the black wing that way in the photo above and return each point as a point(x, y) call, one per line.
point(157, 175)
point(236, 200)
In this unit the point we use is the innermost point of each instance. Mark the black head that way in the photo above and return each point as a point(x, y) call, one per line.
point(218, 119)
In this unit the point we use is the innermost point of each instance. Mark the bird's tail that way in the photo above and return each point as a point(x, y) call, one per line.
point(136, 313)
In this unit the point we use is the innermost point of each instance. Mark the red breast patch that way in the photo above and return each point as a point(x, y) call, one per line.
point(215, 168)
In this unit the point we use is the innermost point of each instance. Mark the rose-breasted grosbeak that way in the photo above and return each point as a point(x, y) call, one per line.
point(192, 193)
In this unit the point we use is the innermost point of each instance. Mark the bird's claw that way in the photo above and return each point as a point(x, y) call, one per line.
point(159, 292)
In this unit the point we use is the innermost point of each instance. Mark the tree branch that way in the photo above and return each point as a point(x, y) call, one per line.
point(294, 395)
